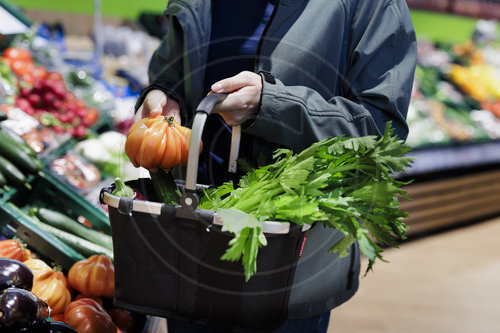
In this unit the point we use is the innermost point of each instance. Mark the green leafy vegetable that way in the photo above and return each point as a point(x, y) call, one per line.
point(343, 183)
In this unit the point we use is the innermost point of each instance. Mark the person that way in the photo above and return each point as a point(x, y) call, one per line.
point(296, 72)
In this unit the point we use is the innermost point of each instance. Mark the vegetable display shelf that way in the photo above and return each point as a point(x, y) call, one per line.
point(48, 191)
point(452, 186)
point(64, 196)
point(46, 245)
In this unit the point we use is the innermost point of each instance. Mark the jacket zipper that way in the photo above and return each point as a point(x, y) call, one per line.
point(264, 32)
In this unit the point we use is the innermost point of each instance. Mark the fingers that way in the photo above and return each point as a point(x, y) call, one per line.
point(236, 82)
point(172, 109)
point(154, 103)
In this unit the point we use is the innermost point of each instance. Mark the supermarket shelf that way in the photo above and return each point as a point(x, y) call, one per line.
point(452, 201)
point(442, 159)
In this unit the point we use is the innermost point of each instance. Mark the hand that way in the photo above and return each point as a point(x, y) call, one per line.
point(157, 102)
point(244, 90)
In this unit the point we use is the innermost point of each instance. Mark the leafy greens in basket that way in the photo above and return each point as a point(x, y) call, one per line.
point(343, 183)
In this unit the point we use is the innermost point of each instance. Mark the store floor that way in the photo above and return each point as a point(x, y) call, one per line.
point(442, 283)
point(446, 282)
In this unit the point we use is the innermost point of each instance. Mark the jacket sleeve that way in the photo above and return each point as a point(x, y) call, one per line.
point(165, 69)
point(377, 85)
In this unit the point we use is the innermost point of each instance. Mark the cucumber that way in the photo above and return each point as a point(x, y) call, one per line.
point(10, 149)
point(165, 188)
point(3, 180)
point(18, 139)
point(65, 223)
point(13, 175)
point(79, 244)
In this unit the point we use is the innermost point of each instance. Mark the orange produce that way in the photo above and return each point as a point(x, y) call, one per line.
point(11, 248)
point(17, 53)
point(98, 299)
point(50, 285)
point(157, 142)
point(87, 316)
point(94, 276)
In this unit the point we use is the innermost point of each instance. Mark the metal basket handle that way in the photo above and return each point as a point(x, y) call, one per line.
point(205, 107)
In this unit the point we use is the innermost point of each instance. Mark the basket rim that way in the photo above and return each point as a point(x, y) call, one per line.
point(155, 208)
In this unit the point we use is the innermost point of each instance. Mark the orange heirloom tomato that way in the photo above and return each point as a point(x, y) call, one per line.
point(157, 142)
point(94, 276)
point(11, 248)
point(50, 285)
point(87, 316)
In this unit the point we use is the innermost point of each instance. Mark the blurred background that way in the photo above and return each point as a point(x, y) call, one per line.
point(93, 56)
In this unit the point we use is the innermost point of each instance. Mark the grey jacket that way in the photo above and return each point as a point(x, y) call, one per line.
point(329, 68)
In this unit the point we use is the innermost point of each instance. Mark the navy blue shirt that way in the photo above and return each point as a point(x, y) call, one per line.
point(237, 27)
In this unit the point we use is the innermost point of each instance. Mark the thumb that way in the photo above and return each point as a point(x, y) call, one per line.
point(232, 84)
point(155, 101)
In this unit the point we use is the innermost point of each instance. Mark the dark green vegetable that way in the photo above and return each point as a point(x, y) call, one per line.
point(343, 183)
point(19, 140)
point(165, 188)
point(14, 273)
point(83, 246)
point(65, 223)
point(13, 175)
point(10, 150)
point(3, 115)
point(19, 307)
point(3, 180)
point(122, 190)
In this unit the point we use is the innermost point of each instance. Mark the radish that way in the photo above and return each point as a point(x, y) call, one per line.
point(34, 100)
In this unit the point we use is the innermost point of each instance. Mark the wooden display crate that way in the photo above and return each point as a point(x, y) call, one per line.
point(452, 201)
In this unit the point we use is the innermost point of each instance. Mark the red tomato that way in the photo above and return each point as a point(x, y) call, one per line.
point(22, 67)
point(87, 316)
point(39, 72)
point(54, 76)
point(17, 53)
point(97, 299)
point(123, 319)
point(91, 117)
point(10, 248)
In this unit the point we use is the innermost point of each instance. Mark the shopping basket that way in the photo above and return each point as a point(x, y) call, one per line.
point(167, 258)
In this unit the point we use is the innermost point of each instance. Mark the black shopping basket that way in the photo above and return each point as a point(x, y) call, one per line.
point(167, 258)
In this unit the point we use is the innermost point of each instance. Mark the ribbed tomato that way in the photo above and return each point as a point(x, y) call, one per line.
point(87, 316)
point(11, 248)
point(94, 276)
point(157, 142)
point(50, 285)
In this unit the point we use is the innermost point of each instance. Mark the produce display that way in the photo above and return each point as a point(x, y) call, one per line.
point(54, 122)
point(43, 95)
point(21, 309)
point(37, 297)
point(456, 95)
point(50, 126)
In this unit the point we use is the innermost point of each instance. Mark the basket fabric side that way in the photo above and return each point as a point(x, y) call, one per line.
point(171, 267)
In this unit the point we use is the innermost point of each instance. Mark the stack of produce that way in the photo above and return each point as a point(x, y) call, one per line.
point(43, 95)
point(21, 310)
point(36, 297)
